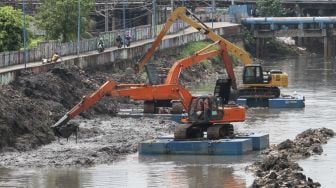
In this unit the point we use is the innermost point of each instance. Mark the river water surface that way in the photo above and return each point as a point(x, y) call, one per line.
point(310, 76)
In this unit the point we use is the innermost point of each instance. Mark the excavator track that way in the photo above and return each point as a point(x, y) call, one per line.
point(180, 132)
point(184, 132)
point(216, 132)
point(149, 107)
point(259, 92)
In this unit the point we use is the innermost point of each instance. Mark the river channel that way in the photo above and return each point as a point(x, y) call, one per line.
point(309, 76)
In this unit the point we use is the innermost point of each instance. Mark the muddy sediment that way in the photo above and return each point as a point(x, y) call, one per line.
point(100, 141)
point(278, 167)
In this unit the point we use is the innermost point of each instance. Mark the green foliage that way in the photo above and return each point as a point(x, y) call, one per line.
point(34, 41)
point(59, 18)
point(11, 29)
point(268, 8)
point(215, 62)
point(192, 47)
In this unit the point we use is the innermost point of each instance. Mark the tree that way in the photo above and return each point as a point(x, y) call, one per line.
point(11, 29)
point(267, 8)
point(59, 18)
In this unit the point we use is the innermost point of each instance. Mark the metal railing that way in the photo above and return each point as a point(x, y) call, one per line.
point(46, 50)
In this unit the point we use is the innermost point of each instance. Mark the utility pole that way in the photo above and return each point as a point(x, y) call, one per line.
point(212, 12)
point(106, 16)
point(153, 18)
point(24, 34)
point(124, 21)
point(172, 5)
point(78, 28)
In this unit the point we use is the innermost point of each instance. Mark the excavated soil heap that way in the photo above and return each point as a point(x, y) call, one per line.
point(34, 102)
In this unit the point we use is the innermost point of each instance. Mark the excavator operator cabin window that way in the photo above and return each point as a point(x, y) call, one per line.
point(250, 75)
point(250, 72)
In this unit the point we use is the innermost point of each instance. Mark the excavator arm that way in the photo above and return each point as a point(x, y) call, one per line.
point(86, 103)
point(175, 71)
point(183, 14)
point(133, 91)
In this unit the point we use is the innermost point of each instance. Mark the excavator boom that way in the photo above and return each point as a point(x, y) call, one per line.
point(263, 88)
point(183, 14)
point(175, 71)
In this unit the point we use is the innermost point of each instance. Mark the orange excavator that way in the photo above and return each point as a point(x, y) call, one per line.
point(205, 113)
point(210, 51)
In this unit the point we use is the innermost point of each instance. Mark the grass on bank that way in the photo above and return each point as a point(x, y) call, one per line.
point(192, 47)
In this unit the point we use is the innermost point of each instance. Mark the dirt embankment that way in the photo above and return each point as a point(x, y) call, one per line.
point(278, 167)
point(35, 101)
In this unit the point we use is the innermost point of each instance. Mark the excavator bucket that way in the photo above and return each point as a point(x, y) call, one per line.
point(66, 130)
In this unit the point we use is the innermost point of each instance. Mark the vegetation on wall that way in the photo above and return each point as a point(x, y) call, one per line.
point(11, 29)
point(59, 18)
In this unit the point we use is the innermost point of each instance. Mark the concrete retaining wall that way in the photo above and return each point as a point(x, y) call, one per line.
point(122, 58)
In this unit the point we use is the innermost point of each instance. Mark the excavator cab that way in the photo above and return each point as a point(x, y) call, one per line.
point(254, 74)
point(205, 109)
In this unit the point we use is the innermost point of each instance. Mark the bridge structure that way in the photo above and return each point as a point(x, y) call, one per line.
point(302, 28)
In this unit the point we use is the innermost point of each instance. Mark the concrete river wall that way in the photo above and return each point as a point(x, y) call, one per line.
point(119, 58)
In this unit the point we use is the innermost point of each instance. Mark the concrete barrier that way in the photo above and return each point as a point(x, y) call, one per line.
point(121, 58)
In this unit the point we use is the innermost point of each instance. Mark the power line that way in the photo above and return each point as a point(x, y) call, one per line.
point(128, 8)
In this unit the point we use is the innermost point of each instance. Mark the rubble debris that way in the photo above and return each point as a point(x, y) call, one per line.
point(278, 167)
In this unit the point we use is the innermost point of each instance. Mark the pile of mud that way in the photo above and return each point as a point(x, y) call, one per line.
point(278, 167)
point(100, 140)
point(34, 102)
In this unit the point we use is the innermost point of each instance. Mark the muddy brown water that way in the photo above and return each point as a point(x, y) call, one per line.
point(310, 76)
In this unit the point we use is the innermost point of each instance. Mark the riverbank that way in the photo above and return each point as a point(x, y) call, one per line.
point(101, 140)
